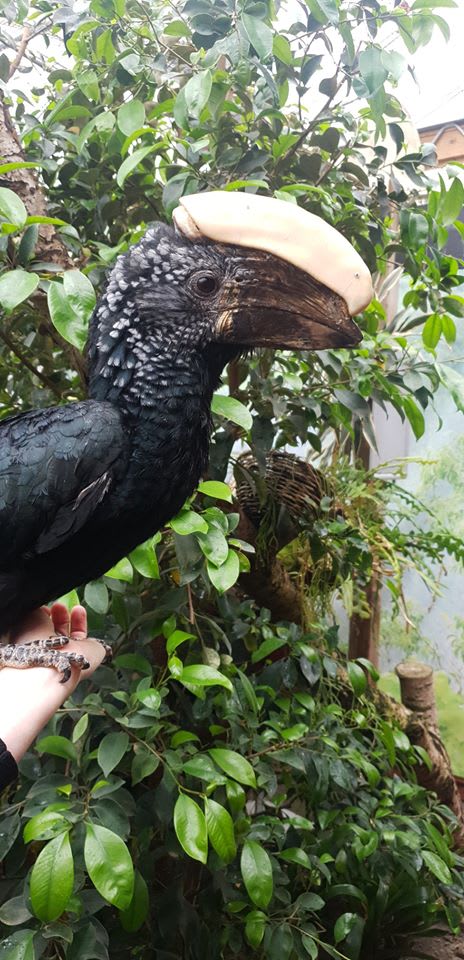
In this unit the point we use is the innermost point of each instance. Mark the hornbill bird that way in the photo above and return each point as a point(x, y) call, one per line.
point(83, 484)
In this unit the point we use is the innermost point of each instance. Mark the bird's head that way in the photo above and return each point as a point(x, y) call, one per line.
point(236, 271)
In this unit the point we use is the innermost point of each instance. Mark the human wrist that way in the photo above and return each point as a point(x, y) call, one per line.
point(28, 700)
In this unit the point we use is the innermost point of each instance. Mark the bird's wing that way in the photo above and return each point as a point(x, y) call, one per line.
point(56, 466)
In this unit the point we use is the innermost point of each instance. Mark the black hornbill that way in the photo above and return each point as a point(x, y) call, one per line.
point(82, 484)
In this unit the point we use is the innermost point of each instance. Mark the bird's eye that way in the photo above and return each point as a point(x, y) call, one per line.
point(204, 284)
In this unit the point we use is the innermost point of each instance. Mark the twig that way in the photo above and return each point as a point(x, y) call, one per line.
point(27, 363)
point(25, 37)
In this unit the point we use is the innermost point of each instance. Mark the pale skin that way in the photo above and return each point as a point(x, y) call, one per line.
point(30, 697)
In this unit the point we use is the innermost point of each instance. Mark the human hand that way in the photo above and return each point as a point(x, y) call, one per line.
point(29, 697)
point(45, 621)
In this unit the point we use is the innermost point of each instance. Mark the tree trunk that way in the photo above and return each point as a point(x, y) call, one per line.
point(25, 183)
point(365, 631)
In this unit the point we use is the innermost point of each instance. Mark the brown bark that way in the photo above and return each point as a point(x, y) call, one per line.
point(417, 689)
point(364, 634)
point(364, 631)
point(268, 582)
point(440, 777)
point(26, 185)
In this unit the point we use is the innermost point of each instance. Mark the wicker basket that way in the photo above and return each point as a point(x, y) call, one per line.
point(288, 482)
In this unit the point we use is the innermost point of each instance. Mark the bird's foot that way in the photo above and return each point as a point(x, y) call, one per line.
point(108, 650)
point(43, 653)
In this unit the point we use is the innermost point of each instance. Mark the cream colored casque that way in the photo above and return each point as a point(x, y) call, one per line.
point(282, 229)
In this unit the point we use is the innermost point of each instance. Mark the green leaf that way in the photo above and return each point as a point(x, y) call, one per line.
point(282, 49)
point(111, 750)
point(452, 203)
point(236, 796)
point(57, 746)
point(190, 827)
point(12, 207)
point(136, 913)
point(177, 28)
point(233, 410)
point(234, 765)
point(143, 558)
point(96, 596)
point(432, 330)
point(80, 728)
point(52, 879)
point(259, 35)
point(357, 677)
point(216, 489)
point(109, 865)
point(437, 866)
point(87, 81)
point(144, 764)
point(121, 571)
point(200, 675)
point(71, 325)
point(372, 69)
point(150, 697)
point(214, 545)
point(197, 92)
point(79, 293)
point(255, 926)
point(256, 869)
point(131, 162)
point(131, 116)
point(220, 828)
point(176, 638)
point(448, 328)
point(18, 946)
point(187, 521)
point(414, 415)
point(44, 826)
point(226, 575)
point(15, 287)
point(324, 10)
point(296, 855)
point(343, 926)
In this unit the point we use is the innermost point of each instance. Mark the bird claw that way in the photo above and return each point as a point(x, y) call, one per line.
point(43, 653)
point(108, 650)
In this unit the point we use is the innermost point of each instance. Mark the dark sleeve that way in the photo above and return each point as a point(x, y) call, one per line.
point(8, 767)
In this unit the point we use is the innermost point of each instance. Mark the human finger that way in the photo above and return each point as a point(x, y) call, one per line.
point(78, 625)
point(60, 618)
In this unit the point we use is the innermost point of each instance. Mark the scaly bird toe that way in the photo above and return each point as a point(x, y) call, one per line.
point(44, 653)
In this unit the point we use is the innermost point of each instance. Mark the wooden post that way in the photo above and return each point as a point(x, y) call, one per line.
point(417, 689)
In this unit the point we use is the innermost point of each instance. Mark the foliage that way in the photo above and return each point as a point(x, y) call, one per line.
point(264, 804)
point(259, 813)
point(368, 522)
point(450, 704)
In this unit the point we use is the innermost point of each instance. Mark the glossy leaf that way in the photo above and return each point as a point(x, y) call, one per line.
point(232, 409)
point(136, 913)
point(200, 675)
point(15, 287)
point(109, 865)
point(131, 116)
point(111, 750)
point(259, 35)
point(256, 870)
point(220, 828)
point(131, 163)
point(12, 207)
point(190, 827)
point(234, 765)
point(52, 879)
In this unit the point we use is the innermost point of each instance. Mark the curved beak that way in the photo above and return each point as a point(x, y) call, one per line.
point(271, 303)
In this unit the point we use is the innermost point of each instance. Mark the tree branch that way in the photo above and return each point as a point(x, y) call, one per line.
point(27, 363)
point(22, 47)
